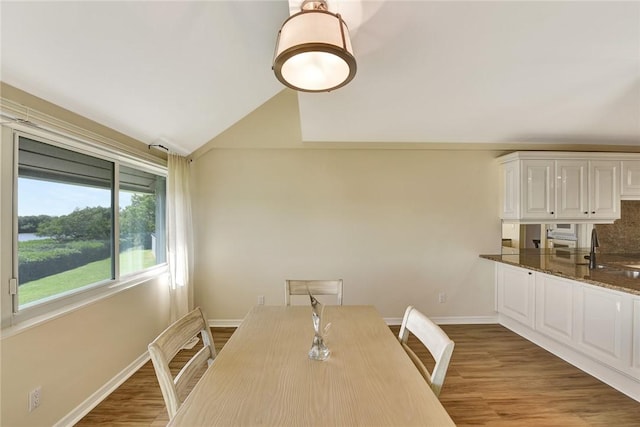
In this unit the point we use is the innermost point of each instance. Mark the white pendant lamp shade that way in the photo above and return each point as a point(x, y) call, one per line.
point(313, 52)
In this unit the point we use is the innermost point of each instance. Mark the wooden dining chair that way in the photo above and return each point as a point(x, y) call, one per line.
point(434, 339)
point(316, 287)
point(165, 347)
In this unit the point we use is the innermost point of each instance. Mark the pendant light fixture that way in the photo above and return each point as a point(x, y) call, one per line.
point(313, 51)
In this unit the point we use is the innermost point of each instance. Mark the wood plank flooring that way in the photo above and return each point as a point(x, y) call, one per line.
point(495, 378)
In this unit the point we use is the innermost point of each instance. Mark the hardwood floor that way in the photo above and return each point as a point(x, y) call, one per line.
point(495, 378)
point(138, 401)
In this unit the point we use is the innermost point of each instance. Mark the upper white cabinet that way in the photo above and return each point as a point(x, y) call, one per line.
point(538, 189)
point(510, 191)
point(630, 179)
point(572, 188)
point(604, 189)
point(545, 187)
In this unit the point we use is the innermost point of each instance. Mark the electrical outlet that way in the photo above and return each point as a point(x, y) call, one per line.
point(35, 396)
point(442, 297)
point(261, 300)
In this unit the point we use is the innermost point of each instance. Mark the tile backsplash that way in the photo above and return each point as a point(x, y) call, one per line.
point(623, 236)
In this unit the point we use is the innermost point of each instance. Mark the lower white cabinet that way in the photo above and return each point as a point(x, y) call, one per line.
point(515, 293)
point(635, 358)
point(596, 328)
point(601, 319)
point(554, 306)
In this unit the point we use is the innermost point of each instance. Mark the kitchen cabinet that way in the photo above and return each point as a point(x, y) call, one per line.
point(635, 358)
point(548, 187)
point(538, 189)
point(604, 198)
point(595, 328)
point(571, 193)
point(554, 306)
point(594, 320)
point(509, 191)
point(600, 324)
point(587, 189)
point(630, 179)
point(515, 293)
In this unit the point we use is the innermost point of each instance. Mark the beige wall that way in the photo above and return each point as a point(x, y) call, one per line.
point(74, 355)
point(398, 225)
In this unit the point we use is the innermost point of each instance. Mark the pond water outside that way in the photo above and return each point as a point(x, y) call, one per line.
point(25, 237)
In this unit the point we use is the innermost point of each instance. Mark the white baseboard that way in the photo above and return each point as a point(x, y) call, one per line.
point(465, 320)
point(450, 320)
point(92, 401)
point(391, 321)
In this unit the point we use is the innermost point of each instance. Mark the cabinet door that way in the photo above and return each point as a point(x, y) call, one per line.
point(635, 362)
point(630, 178)
point(635, 338)
point(554, 307)
point(515, 289)
point(510, 194)
point(571, 189)
point(600, 325)
point(604, 189)
point(538, 189)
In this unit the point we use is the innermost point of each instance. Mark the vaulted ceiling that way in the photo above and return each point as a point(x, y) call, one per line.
point(180, 73)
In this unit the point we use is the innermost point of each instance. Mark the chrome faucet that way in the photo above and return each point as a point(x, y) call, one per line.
point(592, 252)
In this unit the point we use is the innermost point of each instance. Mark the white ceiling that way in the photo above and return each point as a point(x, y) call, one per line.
point(182, 72)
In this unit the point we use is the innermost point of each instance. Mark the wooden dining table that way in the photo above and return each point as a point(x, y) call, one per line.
point(263, 375)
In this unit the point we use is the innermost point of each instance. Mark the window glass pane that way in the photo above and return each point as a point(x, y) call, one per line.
point(64, 221)
point(142, 200)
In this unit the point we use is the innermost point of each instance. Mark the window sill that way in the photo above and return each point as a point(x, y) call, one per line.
point(95, 295)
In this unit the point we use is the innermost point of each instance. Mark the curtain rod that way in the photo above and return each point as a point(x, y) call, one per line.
point(159, 146)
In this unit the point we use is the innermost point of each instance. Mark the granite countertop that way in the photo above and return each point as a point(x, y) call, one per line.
point(610, 274)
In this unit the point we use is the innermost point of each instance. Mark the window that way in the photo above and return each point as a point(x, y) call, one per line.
point(67, 226)
point(141, 197)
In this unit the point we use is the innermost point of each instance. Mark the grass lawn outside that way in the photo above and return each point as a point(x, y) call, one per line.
point(130, 261)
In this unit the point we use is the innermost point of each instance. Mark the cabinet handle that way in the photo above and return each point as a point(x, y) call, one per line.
point(552, 212)
point(586, 213)
point(530, 273)
point(593, 212)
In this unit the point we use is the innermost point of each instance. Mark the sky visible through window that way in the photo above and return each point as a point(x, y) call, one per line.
point(36, 197)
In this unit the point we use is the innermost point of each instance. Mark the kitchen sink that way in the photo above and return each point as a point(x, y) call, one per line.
point(632, 273)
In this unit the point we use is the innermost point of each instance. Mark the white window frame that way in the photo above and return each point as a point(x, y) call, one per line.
point(12, 318)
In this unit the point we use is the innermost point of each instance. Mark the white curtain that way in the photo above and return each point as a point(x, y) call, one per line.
point(179, 236)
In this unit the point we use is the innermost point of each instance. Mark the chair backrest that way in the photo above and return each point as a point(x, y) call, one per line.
point(316, 287)
point(434, 339)
point(165, 347)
